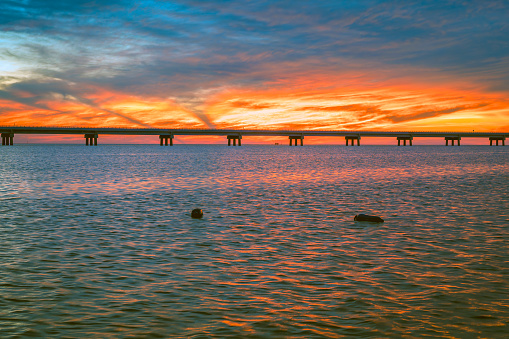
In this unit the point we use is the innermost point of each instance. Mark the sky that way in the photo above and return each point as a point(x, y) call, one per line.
point(321, 65)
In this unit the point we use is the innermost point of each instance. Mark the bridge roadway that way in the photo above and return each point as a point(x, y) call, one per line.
point(235, 135)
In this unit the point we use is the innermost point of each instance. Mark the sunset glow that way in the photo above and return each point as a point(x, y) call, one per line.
point(335, 66)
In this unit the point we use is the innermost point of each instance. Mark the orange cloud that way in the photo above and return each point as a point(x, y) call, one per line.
point(102, 108)
point(298, 96)
point(351, 101)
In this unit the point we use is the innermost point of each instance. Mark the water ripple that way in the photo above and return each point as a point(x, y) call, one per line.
point(99, 242)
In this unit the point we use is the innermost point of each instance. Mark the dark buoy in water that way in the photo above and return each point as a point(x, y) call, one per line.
point(365, 217)
point(197, 213)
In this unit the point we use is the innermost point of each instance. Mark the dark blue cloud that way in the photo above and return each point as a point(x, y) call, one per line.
point(186, 46)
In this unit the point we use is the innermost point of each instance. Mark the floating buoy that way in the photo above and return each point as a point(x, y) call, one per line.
point(197, 213)
point(365, 217)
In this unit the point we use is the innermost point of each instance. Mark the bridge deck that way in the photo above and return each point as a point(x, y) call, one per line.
point(242, 132)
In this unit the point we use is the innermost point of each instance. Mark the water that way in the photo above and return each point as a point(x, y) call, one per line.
point(98, 241)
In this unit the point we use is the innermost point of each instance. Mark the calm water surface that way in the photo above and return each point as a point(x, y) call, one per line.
point(98, 241)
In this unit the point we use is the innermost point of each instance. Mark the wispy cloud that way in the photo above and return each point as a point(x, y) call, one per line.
point(299, 63)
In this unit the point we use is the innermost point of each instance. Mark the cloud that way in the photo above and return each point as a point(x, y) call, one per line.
point(34, 93)
point(433, 113)
point(193, 53)
point(353, 99)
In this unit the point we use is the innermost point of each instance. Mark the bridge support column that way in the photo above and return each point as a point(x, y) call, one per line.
point(165, 138)
point(452, 140)
point(7, 139)
point(296, 137)
point(91, 139)
point(351, 139)
point(234, 138)
point(404, 139)
point(497, 139)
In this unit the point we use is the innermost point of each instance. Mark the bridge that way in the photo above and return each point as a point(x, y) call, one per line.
point(234, 136)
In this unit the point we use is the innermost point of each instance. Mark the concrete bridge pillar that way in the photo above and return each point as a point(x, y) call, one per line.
point(497, 139)
point(7, 139)
point(234, 138)
point(91, 139)
point(404, 139)
point(165, 138)
point(296, 137)
point(352, 138)
point(452, 140)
